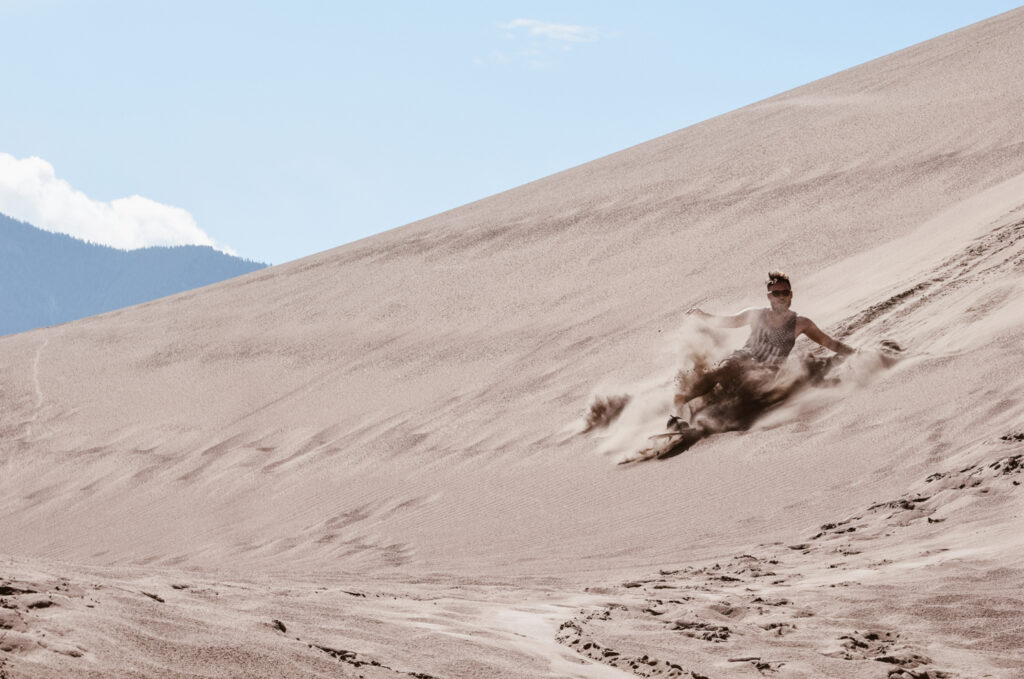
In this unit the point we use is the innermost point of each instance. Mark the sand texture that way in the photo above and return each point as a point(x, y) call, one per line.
point(376, 461)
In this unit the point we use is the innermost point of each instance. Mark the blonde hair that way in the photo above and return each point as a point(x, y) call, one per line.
point(778, 277)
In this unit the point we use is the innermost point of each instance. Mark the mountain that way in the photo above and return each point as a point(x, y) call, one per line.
point(373, 462)
point(50, 278)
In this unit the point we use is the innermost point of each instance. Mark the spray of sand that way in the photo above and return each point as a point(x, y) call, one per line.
point(625, 421)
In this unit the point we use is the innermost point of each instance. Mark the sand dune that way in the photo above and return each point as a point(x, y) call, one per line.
point(371, 462)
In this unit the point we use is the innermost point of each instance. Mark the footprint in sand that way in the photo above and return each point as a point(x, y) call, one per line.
point(882, 646)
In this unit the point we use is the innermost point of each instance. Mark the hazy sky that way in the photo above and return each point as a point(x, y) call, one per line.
point(280, 129)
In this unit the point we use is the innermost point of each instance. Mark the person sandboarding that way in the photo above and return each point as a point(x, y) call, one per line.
point(773, 332)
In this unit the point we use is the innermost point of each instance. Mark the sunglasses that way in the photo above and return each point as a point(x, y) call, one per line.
point(780, 293)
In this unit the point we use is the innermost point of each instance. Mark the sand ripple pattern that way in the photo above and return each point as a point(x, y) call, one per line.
point(810, 608)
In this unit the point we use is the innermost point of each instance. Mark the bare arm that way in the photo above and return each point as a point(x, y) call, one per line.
point(745, 317)
point(807, 327)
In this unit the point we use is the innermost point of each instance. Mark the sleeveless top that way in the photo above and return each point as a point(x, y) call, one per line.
point(768, 345)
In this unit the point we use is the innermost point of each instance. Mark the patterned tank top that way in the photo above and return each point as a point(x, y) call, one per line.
point(770, 345)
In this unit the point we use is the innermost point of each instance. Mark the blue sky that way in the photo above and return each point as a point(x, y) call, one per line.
point(278, 130)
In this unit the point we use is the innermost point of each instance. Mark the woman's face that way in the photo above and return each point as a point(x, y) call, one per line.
point(780, 296)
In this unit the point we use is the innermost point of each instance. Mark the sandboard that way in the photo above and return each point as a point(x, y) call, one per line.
point(669, 444)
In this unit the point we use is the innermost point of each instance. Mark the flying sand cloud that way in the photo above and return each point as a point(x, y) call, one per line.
point(31, 191)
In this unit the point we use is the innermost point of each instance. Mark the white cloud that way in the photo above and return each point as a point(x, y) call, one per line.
point(563, 32)
point(31, 192)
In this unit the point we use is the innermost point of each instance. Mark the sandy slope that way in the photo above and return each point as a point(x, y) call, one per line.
point(400, 418)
